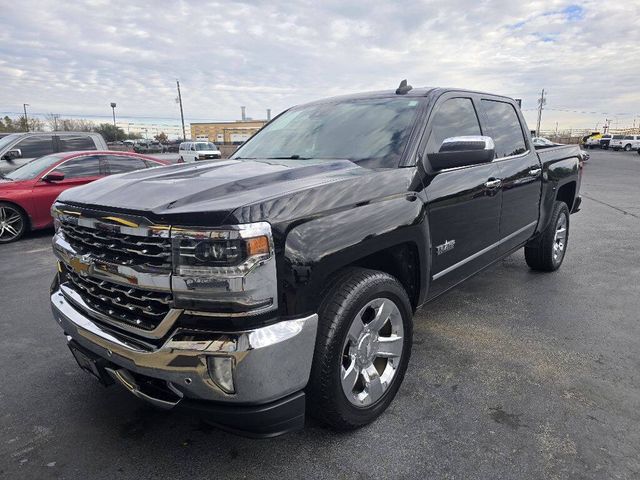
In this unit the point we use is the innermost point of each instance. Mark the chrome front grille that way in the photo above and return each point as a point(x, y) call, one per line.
point(136, 307)
point(118, 248)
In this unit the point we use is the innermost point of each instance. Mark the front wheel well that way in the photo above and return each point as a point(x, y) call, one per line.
point(566, 193)
point(400, 261)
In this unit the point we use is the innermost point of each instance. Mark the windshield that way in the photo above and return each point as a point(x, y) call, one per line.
point(4, 141)
point(205, 146)
point(372, 132)
point(32, 169)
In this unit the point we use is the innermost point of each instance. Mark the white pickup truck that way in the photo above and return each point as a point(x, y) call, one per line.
point(626, 143)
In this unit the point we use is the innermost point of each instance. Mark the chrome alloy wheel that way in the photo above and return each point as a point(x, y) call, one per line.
point(560, 239)
point(11, 223)
point(371, 352)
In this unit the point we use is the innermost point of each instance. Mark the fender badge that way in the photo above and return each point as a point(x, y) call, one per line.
point(445, 247)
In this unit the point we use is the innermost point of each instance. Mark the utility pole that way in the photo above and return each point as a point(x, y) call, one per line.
point(184, 134)
point(26, 120)
point(541, 103)
point(55, 117)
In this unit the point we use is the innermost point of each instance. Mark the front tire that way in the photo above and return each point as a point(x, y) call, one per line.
point(13, 223)
point(547, 252)
point(362, 348)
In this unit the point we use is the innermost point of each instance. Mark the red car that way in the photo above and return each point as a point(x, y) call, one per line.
point(27, 193)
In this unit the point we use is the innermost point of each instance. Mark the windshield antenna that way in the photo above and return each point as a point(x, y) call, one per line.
point(403, 88)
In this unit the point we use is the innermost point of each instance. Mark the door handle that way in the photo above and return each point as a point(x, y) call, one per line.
point(495, 183)
point(534, 172)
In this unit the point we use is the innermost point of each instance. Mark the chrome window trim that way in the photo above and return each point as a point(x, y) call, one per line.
point(483, 251)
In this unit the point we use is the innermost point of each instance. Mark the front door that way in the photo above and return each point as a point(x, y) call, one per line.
point(463, 202)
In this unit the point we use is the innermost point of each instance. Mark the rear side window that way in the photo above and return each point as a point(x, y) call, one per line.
point(122, 164)
point(80, 167)
point(71, 143)
point(32, 147)
point(504, 128)
point(455, 117)
point(629, 137)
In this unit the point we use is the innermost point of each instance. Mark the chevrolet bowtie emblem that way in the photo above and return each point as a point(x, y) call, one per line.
point(80, 265)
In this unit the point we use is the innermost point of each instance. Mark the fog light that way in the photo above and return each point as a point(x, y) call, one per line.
point(221, 372)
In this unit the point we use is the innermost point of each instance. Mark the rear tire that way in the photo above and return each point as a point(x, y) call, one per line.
point(362, 348)
point(547, 252)
point(627, 148)
point(13, 222)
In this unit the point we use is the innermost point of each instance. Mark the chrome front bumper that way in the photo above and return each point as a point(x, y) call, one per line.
point(270, 362)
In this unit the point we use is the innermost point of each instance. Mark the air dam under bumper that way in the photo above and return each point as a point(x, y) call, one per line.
point(272, 366)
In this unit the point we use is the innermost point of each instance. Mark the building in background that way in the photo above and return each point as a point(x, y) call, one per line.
point(226, 133)
point(150, 130)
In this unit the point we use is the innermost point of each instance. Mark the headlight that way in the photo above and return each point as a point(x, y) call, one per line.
point(227, 253)
point(228, 271)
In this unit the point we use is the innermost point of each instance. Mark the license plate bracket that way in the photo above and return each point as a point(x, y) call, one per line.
point(91, 363)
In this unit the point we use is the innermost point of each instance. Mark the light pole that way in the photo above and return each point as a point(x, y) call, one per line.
point(113, 107)
point(26, 120)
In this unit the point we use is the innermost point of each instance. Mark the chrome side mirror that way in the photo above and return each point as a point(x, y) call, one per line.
point(13, 153)
point(463, 151)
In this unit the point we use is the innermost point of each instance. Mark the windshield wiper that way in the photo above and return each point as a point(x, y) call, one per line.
point(4, 177)
point(290, 157)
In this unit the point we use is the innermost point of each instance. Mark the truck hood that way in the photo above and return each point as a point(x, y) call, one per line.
point(208, 192)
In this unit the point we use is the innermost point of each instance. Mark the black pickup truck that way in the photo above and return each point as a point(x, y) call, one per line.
point(283, 281)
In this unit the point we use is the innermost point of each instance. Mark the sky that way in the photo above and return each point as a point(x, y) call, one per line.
point(75, 57)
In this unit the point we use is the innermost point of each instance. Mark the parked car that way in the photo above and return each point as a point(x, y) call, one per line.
point(150, 146)
point(172, 146)
point(20, 148)
point(27, 193)
point(614, 140)
point(593, 141)
point(285, 280)
point(605, 140)
point(194, 151)
point(626, 143)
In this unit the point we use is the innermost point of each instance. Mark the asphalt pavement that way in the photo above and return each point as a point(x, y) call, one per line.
point(514, 374)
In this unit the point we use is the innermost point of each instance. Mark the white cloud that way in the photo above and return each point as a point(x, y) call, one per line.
point(76, 57)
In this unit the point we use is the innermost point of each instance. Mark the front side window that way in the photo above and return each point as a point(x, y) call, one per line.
point(504, 128)
point(123, 164)
point(32, 169)
point(456, 117)
point(372, 132)
point(71, 143)
point(32, 147)
point(81, 167)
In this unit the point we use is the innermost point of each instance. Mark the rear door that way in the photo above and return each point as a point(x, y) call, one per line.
point(122, 164)
point(463, 202)
point(520, 171)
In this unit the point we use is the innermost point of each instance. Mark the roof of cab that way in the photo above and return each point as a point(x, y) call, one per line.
point(414, 92)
